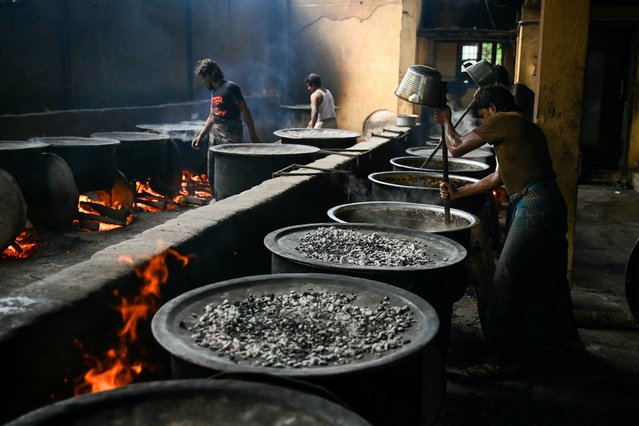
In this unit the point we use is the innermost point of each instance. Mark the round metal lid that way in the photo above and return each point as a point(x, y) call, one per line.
point(263, 149)
point(303, 133)
point(70, 141)
point(131, 136)
point(170, 323)
point(441, 250)
point(19, 145)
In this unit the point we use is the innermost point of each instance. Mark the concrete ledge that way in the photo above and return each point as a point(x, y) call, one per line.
point(43, 322)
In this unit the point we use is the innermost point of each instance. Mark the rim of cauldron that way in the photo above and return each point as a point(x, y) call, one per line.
point(169, 330)
point(480, 167)
point(132, 136)
point(471, 218)
point(283, 242)
point(425, 151)
point(304, 133)
point(15, 145)
point(64, 141)
point(374, 177)
point(263, 149)
point(170, 127)
point(133, 396)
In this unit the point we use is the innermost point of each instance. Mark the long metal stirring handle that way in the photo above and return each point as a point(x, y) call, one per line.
point(441, 140)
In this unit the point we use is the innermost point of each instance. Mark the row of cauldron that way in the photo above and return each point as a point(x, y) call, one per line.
point(403, 386)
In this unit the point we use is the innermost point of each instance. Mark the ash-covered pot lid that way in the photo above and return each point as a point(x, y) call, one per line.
point(304, 133)
point(170, 324)
point(15, 145)
point(132, 136)
point(70, 141)
point(263, 149)
point(170, 127)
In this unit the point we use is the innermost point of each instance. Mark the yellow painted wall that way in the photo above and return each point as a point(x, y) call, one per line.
point(355, 47)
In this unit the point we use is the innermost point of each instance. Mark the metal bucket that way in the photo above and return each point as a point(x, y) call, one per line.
point(238, 167)
point(383, 389)
point(457, 166)
point(194, 402)
point(420, 217)
point(92, 160)
point(321, 138)
point(422, 187)
point(421, 85)
point(140, 155)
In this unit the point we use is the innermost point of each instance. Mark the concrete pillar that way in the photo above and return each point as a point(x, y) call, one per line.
point(563, 38)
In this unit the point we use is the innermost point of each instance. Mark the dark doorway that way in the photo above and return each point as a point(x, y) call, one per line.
point(604, 128)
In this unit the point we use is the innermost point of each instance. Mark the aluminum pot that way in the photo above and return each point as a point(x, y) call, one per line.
point(408, 120)
point(422, 187)
point(321, 138)
point(140, 155)
point(421, 85)
point(194, 402)
point(383, 389)
point(458, 166)
point(420, 217)
point(483, 73)
point(241, 166)
point(484, 155)
point(92, 160)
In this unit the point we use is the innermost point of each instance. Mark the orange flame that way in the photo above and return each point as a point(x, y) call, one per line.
point(117, 368)
point(26, 243)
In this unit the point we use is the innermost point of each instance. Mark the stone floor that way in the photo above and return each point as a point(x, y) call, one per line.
point(597, 387)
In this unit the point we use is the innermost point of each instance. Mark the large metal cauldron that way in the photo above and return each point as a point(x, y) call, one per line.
point(385, 390)
point(241, 166)
point(195, 402)
point(13, 210)
point(422, 187)
point(23, 160)
point(92, 160)
point(632, 281)
point(440, 282)
point(457, 166)
point(421, 217)
point(183, 134)
point(321, 138)
point(140, 155)
point(484, 155)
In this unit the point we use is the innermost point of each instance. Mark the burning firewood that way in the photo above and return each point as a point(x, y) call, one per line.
point(104, 219)
point(184, 200)
point(160, 204)
point(106, 211)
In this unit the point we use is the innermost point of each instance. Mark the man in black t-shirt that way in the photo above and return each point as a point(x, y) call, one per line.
point(227, 106)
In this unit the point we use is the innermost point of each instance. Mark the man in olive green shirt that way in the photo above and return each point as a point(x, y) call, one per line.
point(528, 305)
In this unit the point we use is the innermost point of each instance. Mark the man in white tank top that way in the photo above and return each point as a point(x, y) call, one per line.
point(322, 104)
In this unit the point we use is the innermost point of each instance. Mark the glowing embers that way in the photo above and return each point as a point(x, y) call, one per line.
point(106, 210)
point(23, 247)
point(120, 364)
